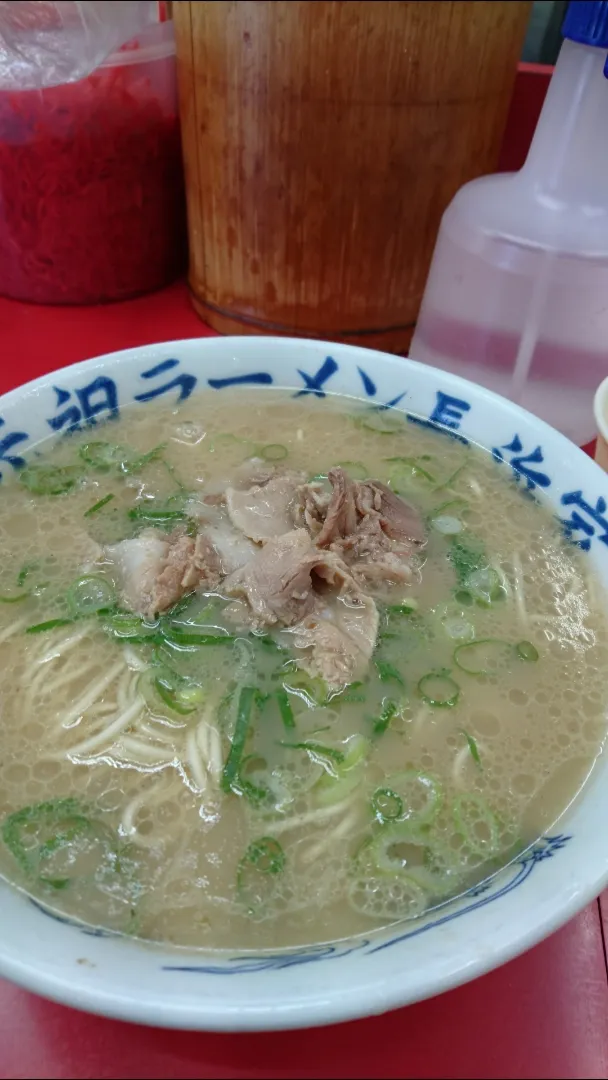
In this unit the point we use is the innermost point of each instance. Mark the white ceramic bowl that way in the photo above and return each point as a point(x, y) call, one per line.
point(323, 984)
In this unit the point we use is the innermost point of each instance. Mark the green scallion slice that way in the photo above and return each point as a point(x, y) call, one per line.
point(527, 651)
point(273, 452)
point(386, 805)
point(439, 689)
point(50, 624)
point(49, 479)
point(96, 507)
point(90, 595)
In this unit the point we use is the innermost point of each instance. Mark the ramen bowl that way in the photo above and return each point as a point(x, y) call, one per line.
point(535, 894)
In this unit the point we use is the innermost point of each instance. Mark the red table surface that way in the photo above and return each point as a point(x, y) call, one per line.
point(544, 1015)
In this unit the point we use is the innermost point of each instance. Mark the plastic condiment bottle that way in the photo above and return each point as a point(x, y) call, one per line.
point(517, 293)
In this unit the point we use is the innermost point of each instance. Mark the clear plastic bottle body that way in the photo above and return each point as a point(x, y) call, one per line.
point(517, 294)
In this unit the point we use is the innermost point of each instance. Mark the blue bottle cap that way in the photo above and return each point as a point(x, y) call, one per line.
point(586, 21)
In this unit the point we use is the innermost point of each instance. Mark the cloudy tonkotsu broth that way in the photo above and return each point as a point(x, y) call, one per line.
point(220, 741)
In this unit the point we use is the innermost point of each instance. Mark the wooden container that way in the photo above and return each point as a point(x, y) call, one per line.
point(322, 142)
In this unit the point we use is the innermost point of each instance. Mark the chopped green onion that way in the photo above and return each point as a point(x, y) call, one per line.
point(132, 629)
point(404, 471)
point(388, 672)
point(355, 469)
point(420, 793)
point(184, 700)
point(345, 776)
point(98, 505)
point(396, 848)
point(439, 689)
point(459, 629)
point(446, 525)
point(317, 751)
point(463, 597)
point(484, 586)
point(476, 823)
point(89, 595)
point(233, 764)
point(156, 517)
point(355, 751)
point(191, 638)
point(455, 505)
point(49, 479)
point(257, 794)
point(381, 723)
point(467, 555)
point(387, 896)
point(64, 819)
point(57, 842)
point(309, 688)
point(267, 854)
point(136, 464)
point(103, 456)
point(353, 692)
point(263, 861)
point(483, 656)
point(285, 708)
point(527, 651)
point(472, 745)
point(25, 572)
point(182, 605)
point(16, 599)
point(450, 480)
point(386, 805)
point(273, 452)
point(51, 624)
point(318, 478)
point(381, 418)
point(406, 607)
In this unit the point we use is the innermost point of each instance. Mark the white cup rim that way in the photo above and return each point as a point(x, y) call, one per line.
point(600, 408)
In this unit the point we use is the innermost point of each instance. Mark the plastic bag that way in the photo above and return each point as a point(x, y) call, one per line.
point(47, 44)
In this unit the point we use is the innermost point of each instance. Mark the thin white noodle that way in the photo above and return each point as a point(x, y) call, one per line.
point(210, 745)
point(202, 741)
point(134, 661)
point(160, 733)
point(420, 717)
point(126, 686)
point(131, 749)
point(504, 581)
point(127, 821)
point(32, 690)
point(311, 817)
point(107, 735)
point(64, 678)
point(341, 830)
point(95, 691)
point(216, 758)
point(520, 600)
point(63, 646)
point(462, 759)
point(103, 709)
point(155, 791)
point(14, 628)
point(194, 760)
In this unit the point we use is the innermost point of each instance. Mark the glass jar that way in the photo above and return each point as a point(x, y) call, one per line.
point(91, 182)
